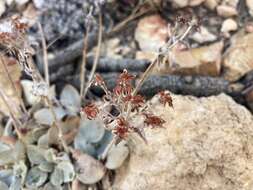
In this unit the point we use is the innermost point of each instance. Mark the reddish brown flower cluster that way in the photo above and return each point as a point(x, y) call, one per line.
point(153, 121)
point(165, 98)
point(91, 111)
point(124, 86)
point(122, 128)
point(122, 108)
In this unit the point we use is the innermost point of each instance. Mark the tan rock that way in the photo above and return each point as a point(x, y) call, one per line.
point(194, 3)
point(211, 4)
point(207, 143)
point(151, 33)
point(239, 58)
point(205, 60)
point(250, 6)
point(226, 11)
point(180, 3)
point(229, 25)
point(184, 3)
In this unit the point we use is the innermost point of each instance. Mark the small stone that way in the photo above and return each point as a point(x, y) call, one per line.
point(89, 170)
point(229, 25)
point(180, 3)
point(151, 33)
point(211, 4)
point(249, 27)
point(203, 35)
point(226, 11)
point(117, 155)
point(238, 59)
point(194, 3)
point(204, 60)
point(2, 7)
point(250, 6)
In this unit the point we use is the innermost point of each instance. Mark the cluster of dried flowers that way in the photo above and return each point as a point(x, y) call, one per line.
point(123, 112)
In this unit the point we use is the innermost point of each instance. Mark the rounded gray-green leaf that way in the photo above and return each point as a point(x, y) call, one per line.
point(35, 154)
point(46, 166)
point(70, 98)
point(117, 155)
point(50, 186)
point(91, 130)
point(35, 178)
point(3, 185)
point(68, 171)
point(57, 177)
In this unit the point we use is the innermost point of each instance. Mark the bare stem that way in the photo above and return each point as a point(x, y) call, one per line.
point(95, 63)
point(83, 70)
point(45, 55)
point(156, 60)
point(108, 147)
point(16, 122)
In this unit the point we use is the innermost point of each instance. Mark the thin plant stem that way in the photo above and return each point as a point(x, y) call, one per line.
point(95, 63)
point(16, 122)
point(45, 55)
point(84, 61)
point(108, 147)
point(156, 60)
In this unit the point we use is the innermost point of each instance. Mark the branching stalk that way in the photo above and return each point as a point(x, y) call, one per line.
point(95, 63)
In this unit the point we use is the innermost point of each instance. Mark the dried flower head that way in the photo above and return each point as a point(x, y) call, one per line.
point(91, 111)
point(122, 128)
point(165, 98)
point(122, 110)
point(153, 121)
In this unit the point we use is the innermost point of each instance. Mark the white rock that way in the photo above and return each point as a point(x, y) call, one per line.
point(207, 143)
point(9, 2)
point(250, 6)
point(2, 7)
point(229, 25)
point(226, 11)
point(203, 36)
point(151, 33)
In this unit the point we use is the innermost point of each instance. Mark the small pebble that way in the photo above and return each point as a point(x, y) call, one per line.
point(226, 11)
point(229, 25)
